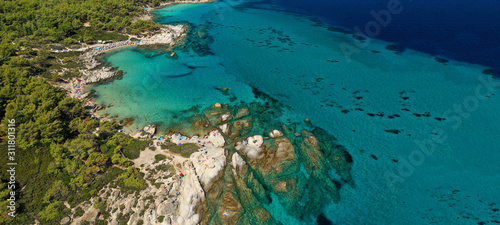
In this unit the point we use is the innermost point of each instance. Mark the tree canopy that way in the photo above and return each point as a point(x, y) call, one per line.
point(67, 21)
point(64, 157)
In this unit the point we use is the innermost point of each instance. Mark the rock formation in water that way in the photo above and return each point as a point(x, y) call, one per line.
point(247, 160)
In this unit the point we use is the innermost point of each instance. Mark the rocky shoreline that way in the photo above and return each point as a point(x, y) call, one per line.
point(165, 4)
point(231, 175)
point(169, 198)
point(229, 178)
point(178, 200)
point(245, 156)
point(94, 72)
point(168, 35)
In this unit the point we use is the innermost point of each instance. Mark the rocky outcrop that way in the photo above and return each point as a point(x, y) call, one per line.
point(191, 195)
point(239, 164)
point(167, 35)
point(252, 148)
point(158, 199)
point(224, 117)
point(174, 199)
point(211, 161)
point(225, 128)
point(230, 208)
point(275, 134)
point(149, 130)
point(265, 160)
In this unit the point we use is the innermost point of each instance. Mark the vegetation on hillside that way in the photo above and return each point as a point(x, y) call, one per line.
point(60, 154)
point(61, 157)
point(67, 21)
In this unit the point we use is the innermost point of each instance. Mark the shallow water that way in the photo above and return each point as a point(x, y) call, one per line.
point(382, 105)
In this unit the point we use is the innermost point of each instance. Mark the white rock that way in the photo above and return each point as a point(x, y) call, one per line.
point(224, 128)
point(275, 134)
point(239, 164)
point(224, 117)
point(253, 149)
point(256, 141)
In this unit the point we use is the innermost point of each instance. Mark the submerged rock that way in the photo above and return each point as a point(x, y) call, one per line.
point(322, 220)
point(230, 209)
point(395, 48)
point(489, 72)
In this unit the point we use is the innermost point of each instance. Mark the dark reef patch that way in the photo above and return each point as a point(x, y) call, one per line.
point(395, 48)
point(197, 40)
point(322, 220)
point(490, 72)
point(394, 131)
point(359, 37)
point(180, 75)
point(348, 157)
point(339, 30)
point(441, 60)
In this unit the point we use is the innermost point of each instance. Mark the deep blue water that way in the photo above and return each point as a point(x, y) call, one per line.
point(462, 30)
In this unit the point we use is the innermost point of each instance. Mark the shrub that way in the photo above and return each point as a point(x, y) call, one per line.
point(101, 222)
point(166, 167)
point(123, 219)
point(160, 157)
point(130, 147)
point(185, 150)
point(131, 181)
point(79, 212)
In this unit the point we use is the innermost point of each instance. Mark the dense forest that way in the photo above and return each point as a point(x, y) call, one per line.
point(61, 156)
point(67, 21)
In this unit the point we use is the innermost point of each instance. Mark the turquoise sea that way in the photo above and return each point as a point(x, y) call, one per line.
point(423, 132)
